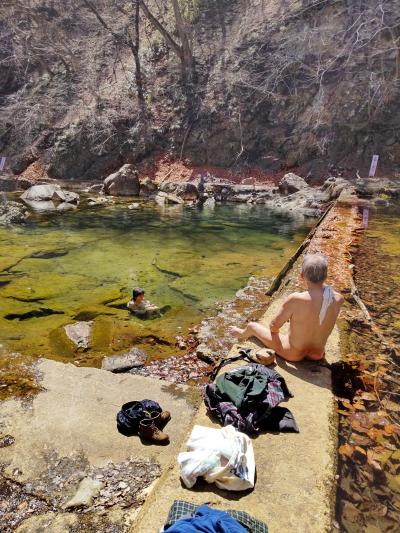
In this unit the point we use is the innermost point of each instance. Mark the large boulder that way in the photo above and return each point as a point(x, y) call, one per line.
point(333, 187)
point(12, 213)
point(147, 187)
point(187, 191)
point(124, 182)
point(291, 183)
point(163, 198)
point(47, 192)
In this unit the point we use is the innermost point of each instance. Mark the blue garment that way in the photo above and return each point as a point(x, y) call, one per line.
point(207, 520)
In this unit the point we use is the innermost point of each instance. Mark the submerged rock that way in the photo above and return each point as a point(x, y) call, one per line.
point(80, 333)
point(124, 182)
point(118, 363)
point(88, 489)
point(12, 213)
point(35, 313)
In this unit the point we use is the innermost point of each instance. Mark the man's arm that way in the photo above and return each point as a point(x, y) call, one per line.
point(284, 314)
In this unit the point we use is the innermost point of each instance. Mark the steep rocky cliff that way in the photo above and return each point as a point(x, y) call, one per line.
point(276, 84)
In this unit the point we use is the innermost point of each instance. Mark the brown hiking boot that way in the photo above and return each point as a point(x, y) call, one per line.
point(148, 431)
point(160, 419)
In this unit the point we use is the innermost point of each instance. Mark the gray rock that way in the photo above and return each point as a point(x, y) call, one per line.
point(79, 333)
point(118, 363)
point(135, 205)
point(147, 187)
point(12, 213)
point(333, 187)
point(291, 183)
point(166, 198)
point(124, 182)
point(48, 192)
point(66, 196)
point(187, 191)
point(87, 491)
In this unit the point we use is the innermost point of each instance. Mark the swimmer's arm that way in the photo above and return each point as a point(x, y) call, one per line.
point(284, 314)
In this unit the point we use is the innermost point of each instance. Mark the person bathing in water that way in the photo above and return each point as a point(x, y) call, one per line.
point(311, 315)
point(142, 308)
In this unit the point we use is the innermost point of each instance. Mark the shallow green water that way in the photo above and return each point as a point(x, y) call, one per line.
point(81, 265)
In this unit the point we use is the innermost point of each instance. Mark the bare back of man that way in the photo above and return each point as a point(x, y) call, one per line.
point(307, 334)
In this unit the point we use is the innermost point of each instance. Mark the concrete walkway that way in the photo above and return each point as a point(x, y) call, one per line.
point(295, 472)
point(69, 429)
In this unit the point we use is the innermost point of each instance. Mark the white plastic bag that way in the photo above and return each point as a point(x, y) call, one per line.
point(222, 456)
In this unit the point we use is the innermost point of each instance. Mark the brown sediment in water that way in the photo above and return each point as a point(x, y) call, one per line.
point(368, 495)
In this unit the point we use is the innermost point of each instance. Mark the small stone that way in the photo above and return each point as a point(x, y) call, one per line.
point(122, 485)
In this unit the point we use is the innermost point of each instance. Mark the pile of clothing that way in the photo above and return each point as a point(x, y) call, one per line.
point(144, 418)
point(248, 398)
point(221, 456)
point(185, 517)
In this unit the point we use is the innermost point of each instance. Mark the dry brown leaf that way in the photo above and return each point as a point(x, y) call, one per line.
point(346, 449)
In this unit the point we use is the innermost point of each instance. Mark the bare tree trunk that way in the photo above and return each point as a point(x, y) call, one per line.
point(187, 55)
point(183, 50)
point(127, 40)
point(135, 47)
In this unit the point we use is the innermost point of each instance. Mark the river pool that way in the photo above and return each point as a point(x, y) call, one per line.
point(82, 265)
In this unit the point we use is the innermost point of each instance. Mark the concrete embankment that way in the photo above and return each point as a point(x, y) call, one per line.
point(295, 472)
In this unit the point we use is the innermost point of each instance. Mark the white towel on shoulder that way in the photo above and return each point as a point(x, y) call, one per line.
point(327, 299)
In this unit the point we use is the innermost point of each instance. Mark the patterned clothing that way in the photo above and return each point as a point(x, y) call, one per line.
point(181, 509)
point(248, 397)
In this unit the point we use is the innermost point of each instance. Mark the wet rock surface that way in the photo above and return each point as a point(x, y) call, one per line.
point(119, 363)
point(291, 183)
point(80, 334)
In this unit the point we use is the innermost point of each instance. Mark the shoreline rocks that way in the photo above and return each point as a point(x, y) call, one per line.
point(12, 213)
point(124, 182)
point(47, 192)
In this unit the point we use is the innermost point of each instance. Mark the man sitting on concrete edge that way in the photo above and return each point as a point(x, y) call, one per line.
point(311, 315)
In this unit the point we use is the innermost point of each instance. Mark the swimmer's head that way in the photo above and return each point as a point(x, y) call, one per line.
point(315, 268)
point(136, 293)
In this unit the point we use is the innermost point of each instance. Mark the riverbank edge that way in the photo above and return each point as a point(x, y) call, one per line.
point(329, 418)
point(335, 235)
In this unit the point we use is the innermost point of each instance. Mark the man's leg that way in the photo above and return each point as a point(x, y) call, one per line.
point(276, 341)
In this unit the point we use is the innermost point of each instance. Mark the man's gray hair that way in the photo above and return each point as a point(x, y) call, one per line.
point(315, 268)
